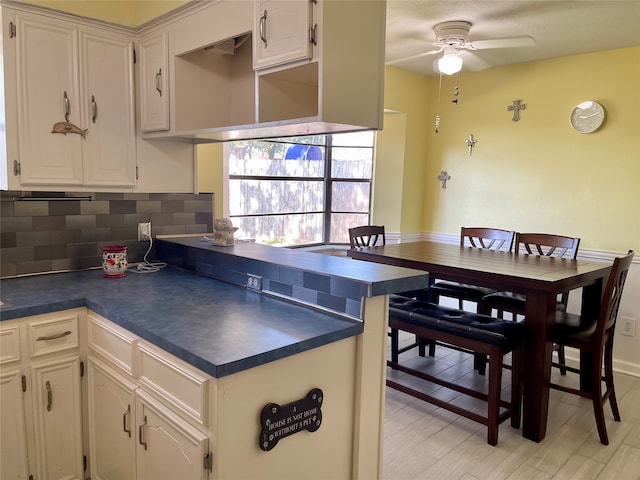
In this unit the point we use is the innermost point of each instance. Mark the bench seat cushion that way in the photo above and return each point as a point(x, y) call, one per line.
point(473, 326)
point(447, 288)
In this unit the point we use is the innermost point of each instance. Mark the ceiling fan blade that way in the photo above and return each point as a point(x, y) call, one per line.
point(413, 57)
point(472, 62)
point(511, 42)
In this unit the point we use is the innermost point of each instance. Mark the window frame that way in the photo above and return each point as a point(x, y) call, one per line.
point(328, 183)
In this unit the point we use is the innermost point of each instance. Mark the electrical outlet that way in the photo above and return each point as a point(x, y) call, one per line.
point(144, 231)
point(628, 326)
point(254, 282)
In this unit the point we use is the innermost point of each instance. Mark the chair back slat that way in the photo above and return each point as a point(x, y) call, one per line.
point(545, 244)
point(492, 238)
point(613, 294)
point(367, 236)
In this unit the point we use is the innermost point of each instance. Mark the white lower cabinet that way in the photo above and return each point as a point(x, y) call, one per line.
point(40, 394)
point(167, 446)
point(57, 415)
point(13, 463)
point(139, 424)
point(134, 436)
point(111, 423)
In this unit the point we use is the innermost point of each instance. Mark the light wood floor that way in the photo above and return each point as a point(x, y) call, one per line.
point(426, 442)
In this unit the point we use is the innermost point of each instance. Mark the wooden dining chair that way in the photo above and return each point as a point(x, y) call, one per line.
point(491, 238)
point(370, 236)
point(476, 237)
point(595, 337)
point(367, 236)
point(542, 244)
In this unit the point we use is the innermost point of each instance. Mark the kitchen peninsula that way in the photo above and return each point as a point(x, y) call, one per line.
point(206, 356)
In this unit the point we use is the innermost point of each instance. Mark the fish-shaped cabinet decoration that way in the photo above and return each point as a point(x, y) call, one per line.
point(68, 127)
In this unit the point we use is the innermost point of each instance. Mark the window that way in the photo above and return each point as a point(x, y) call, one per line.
point(300, 190)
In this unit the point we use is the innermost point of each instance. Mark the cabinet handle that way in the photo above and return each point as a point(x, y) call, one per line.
point(94, 109)
point(67, 107)
point(53, 337)
point(125, 417)
point(263, 28)
point(313, 35)
point(159, 81)
point(49, 396)
point(141, 434)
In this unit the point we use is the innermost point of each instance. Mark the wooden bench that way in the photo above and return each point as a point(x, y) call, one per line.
point(477, 333)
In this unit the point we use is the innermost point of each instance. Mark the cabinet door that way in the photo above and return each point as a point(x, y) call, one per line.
point(168, 447)
point(154, 83)
point(281, 32)
point(47, 89)
point(111, 423)
point(109, 149)
point(57, 413)
point(13, 454)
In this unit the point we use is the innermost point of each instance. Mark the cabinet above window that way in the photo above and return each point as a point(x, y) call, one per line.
point(228, 85)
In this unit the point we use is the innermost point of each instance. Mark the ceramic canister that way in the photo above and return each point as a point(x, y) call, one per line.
point(114, 261)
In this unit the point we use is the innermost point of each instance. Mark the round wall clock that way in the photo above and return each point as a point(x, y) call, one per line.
point(587, 117)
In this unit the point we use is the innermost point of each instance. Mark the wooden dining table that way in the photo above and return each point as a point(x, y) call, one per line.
point(540, 278)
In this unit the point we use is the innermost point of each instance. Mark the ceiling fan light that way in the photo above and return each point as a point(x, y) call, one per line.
point(449, 64)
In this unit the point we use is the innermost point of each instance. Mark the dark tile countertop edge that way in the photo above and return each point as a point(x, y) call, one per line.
point(379, 279)
point(217, 327)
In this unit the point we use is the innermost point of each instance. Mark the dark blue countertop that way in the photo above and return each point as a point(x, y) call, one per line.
point(217, 327)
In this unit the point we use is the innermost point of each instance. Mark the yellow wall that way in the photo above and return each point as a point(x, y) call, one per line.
point(537, 174)
point(210, 174)
point(408, 93)
point(131, 13)
point(389, 170)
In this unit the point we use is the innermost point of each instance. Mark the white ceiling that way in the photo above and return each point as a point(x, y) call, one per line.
point(559, 28)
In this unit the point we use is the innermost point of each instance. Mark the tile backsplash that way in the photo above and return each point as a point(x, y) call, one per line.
point(53, 231)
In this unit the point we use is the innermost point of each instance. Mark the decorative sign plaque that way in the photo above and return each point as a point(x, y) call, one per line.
point(281, 421)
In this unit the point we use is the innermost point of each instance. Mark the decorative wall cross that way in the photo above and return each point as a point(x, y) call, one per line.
point(471, 142)
point(515, 108)
point(443, 177)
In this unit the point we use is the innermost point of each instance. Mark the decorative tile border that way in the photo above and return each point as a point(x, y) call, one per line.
point(328, 292)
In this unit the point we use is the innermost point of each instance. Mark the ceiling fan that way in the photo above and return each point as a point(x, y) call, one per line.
point(451, 38)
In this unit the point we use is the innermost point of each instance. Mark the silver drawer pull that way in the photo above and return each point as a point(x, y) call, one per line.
point(263, 28)
point(141, 439)
point(67, 106)
point(49, 396)
point(159, 81)
point(94, 109)
point(53, 337)
point(125, 416)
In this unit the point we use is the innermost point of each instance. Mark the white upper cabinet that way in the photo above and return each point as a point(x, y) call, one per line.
point(75, 104)
point(107, 103)
point(341, 87)
point(216, 71)
point(284, 32)
point(154, 82)
point(316, 66)
point(47, 92)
